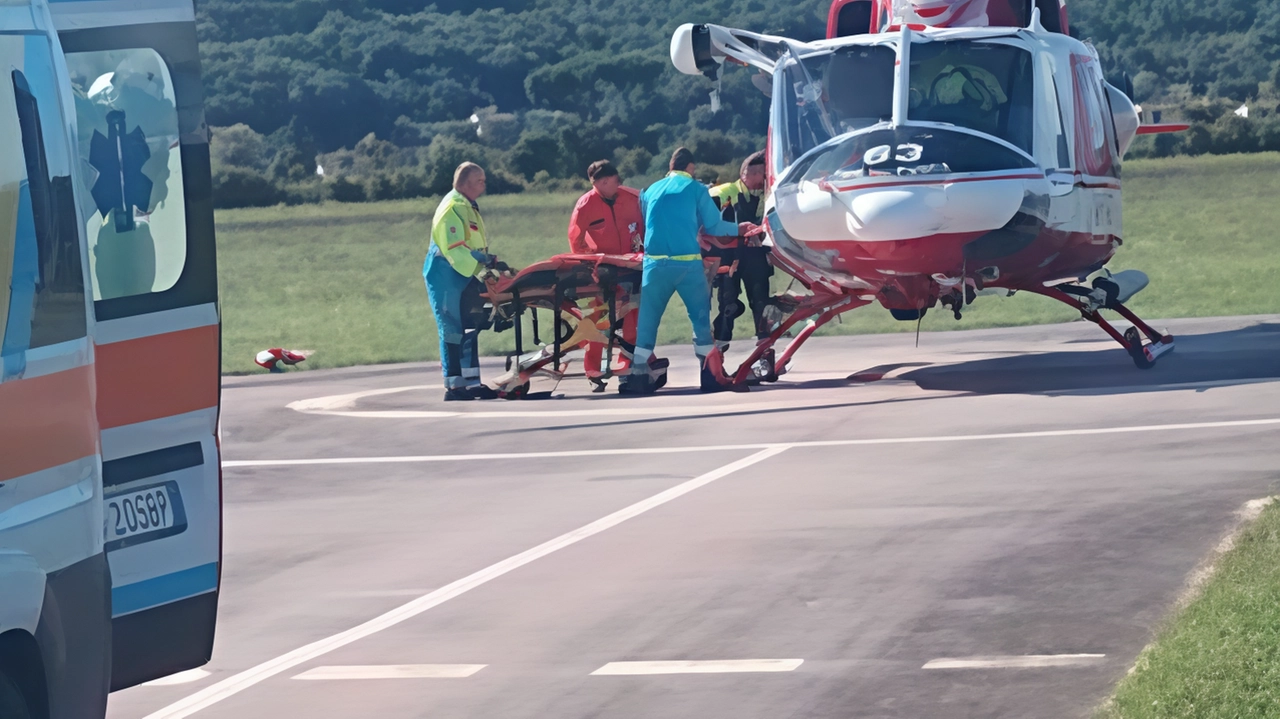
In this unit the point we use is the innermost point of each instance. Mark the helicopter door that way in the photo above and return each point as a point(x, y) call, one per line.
point(143, 149)
point(1095, 133)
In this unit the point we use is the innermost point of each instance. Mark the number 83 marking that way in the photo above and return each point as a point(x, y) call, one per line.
point(906, 152)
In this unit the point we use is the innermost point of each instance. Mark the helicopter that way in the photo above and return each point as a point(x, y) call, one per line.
point(928, 152)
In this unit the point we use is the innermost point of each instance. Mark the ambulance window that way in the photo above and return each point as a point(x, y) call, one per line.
point(12, 174)
point(129, 154)
point(41, 246)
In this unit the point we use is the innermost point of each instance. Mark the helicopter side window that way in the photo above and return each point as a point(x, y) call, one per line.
point(1095, 133)
point(1051, 141)
point(987, 87)
point(854, 18)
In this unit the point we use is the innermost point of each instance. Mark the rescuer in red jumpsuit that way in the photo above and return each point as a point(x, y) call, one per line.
point(607, 220)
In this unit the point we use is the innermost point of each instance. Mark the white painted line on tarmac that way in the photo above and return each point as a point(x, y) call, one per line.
point(191, 675)
point(413, 459)
point(381, 593)
point(239, 682)
point(392, 671)
point(1027, 661)
point(711, 666)
point(342, 405)
point(1129, 389)
point(338, 402)
point(487, 457)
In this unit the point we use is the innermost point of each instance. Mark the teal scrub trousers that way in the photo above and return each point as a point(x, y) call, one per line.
point(451, 293)
point(661, 279)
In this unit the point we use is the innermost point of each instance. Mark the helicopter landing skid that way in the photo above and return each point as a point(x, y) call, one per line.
point(1090, 301)
point(764, 365)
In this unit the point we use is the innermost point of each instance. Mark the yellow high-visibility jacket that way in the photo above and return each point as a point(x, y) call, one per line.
point(457, 229)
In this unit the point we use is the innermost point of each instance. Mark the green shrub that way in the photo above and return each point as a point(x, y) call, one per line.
point(342, 189)
point(242, 187)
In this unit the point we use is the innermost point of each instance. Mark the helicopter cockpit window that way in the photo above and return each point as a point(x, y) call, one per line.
point(129, 153)
point(987, 87)
point(858, 86)
point(835, 93)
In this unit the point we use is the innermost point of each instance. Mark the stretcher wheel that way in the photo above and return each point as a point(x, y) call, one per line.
point(564, 330)
point(519, 392)
point(1134, 338)
point(770, 358)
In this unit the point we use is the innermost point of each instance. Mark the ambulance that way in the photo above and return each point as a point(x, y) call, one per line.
point(110, 487)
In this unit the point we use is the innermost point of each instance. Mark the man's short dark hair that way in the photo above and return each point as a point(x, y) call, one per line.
point(755, 158)
point(601, 169)
point(681, 158)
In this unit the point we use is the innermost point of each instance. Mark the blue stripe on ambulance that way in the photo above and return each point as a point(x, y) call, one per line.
point(166, 588)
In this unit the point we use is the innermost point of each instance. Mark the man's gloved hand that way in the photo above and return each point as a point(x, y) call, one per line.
point(752, 233)
point(484, 258)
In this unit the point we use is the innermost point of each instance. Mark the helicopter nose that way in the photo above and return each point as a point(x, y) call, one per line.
point(907, 212)
point(897, 213)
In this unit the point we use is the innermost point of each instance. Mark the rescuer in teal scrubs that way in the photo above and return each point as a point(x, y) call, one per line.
point(675, 207)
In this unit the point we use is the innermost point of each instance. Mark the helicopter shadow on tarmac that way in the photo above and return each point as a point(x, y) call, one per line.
point(1238, 356)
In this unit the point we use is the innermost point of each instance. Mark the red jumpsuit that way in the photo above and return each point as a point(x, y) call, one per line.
point(617, 228)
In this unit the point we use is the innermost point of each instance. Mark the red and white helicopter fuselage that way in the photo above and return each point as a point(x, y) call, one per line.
point(923, 165)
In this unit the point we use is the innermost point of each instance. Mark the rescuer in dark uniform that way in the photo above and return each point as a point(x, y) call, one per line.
point(745, 266)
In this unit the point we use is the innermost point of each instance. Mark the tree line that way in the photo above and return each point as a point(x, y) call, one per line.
point(387, 96)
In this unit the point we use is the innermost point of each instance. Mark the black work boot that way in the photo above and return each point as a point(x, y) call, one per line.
point(636, 383)
point(480, 391)
point(457, 394)
point(710, 383)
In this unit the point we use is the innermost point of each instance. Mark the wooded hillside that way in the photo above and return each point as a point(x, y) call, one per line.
point(390, 95)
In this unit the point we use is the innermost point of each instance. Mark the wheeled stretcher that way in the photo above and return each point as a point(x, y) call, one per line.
point(588, 295)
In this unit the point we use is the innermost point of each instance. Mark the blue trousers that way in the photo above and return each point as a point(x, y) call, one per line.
point(448, 290)
point(661, 279)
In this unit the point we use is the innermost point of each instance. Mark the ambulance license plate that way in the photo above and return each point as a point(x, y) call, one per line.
point(144, 514)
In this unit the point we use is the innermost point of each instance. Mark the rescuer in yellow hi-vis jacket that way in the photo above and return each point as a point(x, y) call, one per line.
point(745, 266)
point(459, 251)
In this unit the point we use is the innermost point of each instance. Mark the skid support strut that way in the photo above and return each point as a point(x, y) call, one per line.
point(815, 311)
point(1089, 302)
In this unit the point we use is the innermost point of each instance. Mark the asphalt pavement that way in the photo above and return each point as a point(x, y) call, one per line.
point(992, 524)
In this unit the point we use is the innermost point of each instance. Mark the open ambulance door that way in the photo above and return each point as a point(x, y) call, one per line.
point(144, 158)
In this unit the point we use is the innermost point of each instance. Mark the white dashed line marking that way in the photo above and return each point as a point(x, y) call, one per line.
point(710, 666)
point(1028, 661)
point(237, 683)
point(191, 675)
point(344, 405)
point(392, 671)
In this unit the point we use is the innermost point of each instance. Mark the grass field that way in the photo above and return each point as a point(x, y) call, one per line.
point(1219, 658)
point(346, 280)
